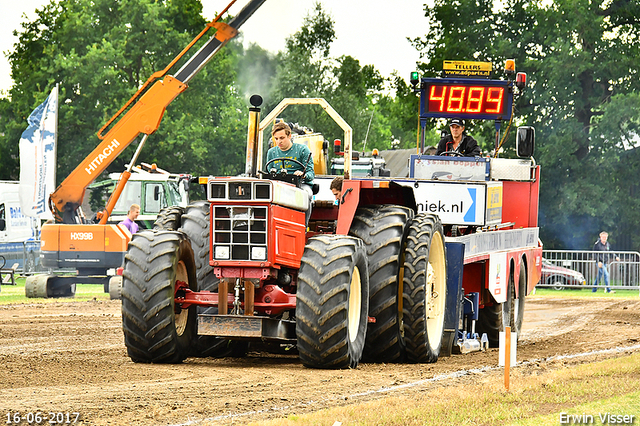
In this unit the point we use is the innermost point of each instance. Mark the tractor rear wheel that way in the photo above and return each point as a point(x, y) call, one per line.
point(168, 219)
point(332, 302)
point(155, 328)
point(383, 230)
point(425, 289)
point(196, 225)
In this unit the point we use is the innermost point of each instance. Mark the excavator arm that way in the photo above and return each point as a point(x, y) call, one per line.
point(144, 116)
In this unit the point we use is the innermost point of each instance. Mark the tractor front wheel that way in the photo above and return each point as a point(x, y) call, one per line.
point(156, 329)
point(332, 302)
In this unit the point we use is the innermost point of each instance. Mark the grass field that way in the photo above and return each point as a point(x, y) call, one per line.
point(595, 389)
point(586, 292)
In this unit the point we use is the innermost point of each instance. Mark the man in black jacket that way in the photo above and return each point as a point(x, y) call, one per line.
point(458, 142)
point(602, 257)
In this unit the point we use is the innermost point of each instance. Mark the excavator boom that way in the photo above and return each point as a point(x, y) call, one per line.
point(92, 248)
point(144, 116)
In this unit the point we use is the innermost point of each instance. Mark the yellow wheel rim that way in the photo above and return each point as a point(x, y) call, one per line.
point(183, 317)
point(436, 290)
point(355, 304)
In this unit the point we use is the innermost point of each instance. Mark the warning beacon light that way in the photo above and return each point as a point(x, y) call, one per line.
point(521, 80)
point(337, 144)
point(415, 78)
point(510, 66)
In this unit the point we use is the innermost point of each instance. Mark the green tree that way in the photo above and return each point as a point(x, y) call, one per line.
point(401, 113)
point(578, 55)
point(307, 69)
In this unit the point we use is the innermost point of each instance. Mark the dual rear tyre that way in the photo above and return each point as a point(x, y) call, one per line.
point(384, 230)
point(424, 289)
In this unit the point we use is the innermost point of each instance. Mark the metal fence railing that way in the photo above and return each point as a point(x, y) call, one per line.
point(25, 254)
point(623, 274)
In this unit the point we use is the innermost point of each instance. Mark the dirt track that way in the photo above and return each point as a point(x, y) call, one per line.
point(70, 357)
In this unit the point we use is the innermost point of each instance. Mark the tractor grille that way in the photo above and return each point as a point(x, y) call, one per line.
point(239, 233)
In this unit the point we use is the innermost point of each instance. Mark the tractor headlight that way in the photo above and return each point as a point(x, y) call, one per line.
point(258, 253)
point(221, 252)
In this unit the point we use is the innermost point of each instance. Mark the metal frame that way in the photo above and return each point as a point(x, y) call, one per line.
point(348, 132)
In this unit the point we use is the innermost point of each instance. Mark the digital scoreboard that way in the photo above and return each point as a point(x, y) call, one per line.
point(466, 98)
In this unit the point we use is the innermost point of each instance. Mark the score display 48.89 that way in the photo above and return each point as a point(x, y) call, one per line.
point(466, 98)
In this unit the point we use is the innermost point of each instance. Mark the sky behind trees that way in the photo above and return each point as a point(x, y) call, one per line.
point(375, 34)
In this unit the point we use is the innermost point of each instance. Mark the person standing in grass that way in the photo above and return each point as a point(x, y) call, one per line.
point(602, 257)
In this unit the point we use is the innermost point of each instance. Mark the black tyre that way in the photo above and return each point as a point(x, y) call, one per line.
point(196, 225)
point(425, 289)
point(493, 319)
point(517, 317)
point(169, 219)
point(155, 328)
point(557, 283)
point(48, 286)
point(115, 287)
point(383, 230)
point(332, 302)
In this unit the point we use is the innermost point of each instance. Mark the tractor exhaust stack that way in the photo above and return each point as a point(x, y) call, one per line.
point(252, 136)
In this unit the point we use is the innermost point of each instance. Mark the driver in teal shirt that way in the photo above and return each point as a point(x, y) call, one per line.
point(283, 147)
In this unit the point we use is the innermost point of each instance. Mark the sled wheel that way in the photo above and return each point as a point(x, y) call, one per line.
point(518, 304)
point(493, 319)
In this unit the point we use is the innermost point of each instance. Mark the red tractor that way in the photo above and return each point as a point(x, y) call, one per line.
point(242, 266)
point(369, 278)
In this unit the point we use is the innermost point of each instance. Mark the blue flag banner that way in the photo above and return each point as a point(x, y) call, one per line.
point(38, 158)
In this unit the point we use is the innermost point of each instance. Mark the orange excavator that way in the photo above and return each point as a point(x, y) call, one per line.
point(90, 248)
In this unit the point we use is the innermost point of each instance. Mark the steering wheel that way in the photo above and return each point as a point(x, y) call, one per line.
point(282, 175)
point(266, 166)
point(452, 153)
